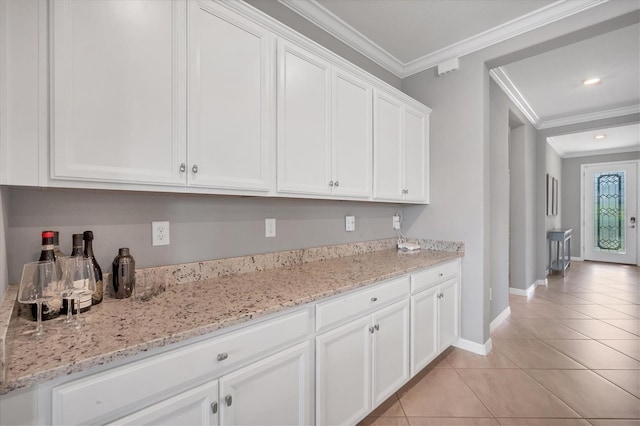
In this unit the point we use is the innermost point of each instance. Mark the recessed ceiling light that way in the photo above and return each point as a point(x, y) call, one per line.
point(600, 136)
point(591, 81)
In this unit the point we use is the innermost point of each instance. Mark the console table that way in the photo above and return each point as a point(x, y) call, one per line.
point(562, 238)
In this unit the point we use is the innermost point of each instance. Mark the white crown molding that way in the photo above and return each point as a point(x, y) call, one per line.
point(554, 145)
point(582, 118)
point(601, 152)
point(536, 19)
point(325, 19)
point(503, 80)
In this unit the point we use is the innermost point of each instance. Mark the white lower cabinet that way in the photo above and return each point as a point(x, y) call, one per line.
point(274, 391)
point(360, 364)
point(198, 406)
point(434, 313)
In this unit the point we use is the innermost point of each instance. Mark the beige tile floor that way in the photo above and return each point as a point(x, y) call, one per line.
point(568, 355)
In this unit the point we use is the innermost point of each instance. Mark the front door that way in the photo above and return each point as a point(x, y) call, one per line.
point(610, 212)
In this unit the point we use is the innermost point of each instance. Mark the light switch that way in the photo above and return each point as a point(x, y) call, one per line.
point(350, 223)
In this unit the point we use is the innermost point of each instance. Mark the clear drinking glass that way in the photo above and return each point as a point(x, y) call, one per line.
point(83, 281)
point(69, 266)
point(39, 282)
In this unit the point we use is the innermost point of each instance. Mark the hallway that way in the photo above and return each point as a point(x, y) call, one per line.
point(568, 355)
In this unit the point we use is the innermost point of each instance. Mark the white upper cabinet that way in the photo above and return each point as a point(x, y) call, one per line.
point(352, 143)
point(401, 146)
point(387, 170)
point(231, 115)
point(304, 121)
point(324, 127)
point(118, 91)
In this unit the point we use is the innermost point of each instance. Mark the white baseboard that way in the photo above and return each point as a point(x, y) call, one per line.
point(519, 292)
point(476, 348)
point(543, 282)
point(499, 319)
point(577, 259)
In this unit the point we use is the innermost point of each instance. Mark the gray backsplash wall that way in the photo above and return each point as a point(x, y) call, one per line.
point(201, 226)
point(570, 191)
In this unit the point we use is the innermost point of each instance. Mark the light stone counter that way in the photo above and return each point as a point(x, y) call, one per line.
point(185, 308)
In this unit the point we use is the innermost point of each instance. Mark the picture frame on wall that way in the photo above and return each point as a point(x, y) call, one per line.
point(555, 197)
point(549, 195)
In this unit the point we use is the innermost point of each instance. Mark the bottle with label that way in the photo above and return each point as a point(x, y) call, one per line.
point(96, 297)
point(51, 308)
point(85, 299)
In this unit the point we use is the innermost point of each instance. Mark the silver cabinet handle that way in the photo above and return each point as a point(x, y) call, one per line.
point(331, 183)
point(183, 168)
point(337, 183)
point(377, 326)
point(194, 169)
point(228, 400)
point(405, 191)
point(371, 330)
point(374, 299)
point(222, 356)
point(214, 407)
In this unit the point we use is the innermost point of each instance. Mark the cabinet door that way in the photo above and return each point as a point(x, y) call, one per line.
point(424, 329)
point(415, 155)
point(387, 147)
point(352, 143)
point(118, 91)
point(275, 391)
point(343, 374)
point(231, 103)
point(448, 313)
point(198, 406)
point(390, 350)
point(304, 121)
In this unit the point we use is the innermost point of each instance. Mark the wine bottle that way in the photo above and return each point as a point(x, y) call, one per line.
point(51, 307)
point(85, 299)
point(56, 245)
point(96, 297)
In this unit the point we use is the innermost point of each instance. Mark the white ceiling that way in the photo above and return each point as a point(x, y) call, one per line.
point(408, 36)
point(618, 139)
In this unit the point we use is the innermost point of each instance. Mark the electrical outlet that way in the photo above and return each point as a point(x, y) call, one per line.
point(350, 223)
point(396, 223)
point(160, 233)
point(270, 228)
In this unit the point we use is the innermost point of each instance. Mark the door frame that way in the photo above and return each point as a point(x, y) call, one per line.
point(583, 204)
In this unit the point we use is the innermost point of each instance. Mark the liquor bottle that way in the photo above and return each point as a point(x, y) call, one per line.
point(124, 274)
point(50, 308)
point(56, 245)
point(85, 299)
point(96, 297)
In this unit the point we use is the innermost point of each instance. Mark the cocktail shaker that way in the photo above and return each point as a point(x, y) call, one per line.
point(124, 274)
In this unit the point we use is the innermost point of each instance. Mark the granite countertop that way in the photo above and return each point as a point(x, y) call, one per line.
point(117, 329)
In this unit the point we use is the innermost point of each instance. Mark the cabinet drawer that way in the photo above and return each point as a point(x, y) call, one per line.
point(142, 382)
point(351, 305)
point(432, 276)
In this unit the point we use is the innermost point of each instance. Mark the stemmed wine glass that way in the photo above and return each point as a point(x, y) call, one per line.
point(39, 283)
point(67, 291)
point(79, 279)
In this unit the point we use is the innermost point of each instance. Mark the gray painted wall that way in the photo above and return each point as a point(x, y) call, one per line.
point(285, 15)
point(202, 227)
point(458, 191)
point(554, 168)
point(4, 270)
point(570, 191)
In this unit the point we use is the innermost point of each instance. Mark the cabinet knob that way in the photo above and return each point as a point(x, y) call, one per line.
point(405, 191)
point(371, 330)
point(194, 169)
point(222, 356)
point(183, 168)
point(377, 326)
point(441, 274)
point(331, 183)
point(214, 407)
point(228, 400)
point(337, 183)
point(374, 299)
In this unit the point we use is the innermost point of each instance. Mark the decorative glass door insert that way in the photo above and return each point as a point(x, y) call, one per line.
point(609, 211)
